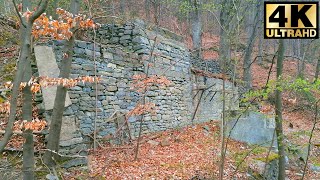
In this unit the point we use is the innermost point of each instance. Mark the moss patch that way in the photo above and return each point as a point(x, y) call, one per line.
point(7, 71)
point(272, 156)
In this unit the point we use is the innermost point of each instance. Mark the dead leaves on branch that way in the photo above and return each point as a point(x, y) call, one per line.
point(27, 14)
point(36, 83)
point(34, 125)
point(141, 109)
point(63, 28)
point(141, 82)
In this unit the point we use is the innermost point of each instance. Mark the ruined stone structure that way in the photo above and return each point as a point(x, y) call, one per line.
point(122, 51)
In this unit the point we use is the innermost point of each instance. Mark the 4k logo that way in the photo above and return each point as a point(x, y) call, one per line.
point(290, 20)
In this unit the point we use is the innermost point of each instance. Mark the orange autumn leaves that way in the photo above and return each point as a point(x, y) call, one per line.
point(5, 107)
point(61, 29)
point(141, 83)
point(34, 125)
point(36, 83)
point(141, 109)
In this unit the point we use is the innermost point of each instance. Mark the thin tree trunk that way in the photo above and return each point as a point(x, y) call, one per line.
point(24, 55)
point(247, 77)
point(223, 123)
point(59, 102)
point(278, 110)
point(156, 7)
point(196, 26)
point(260, 58)
point(224, 46)
point(316, 75)
point(147, 9)
point(28, 151)
point(123, 7)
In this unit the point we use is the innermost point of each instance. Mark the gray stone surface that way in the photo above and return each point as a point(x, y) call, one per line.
point(75, 162)
point(252, 128)
point(68, 128)
point(257, 170)
point(123, 51)
point(47, 66)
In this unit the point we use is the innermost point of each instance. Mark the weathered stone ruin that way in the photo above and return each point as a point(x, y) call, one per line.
point(120, 52)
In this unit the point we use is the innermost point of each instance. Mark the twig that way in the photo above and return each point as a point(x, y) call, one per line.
point(196, 110)
point(61, 155)
point(18, 13)
point(21, 132)
point(269, 151)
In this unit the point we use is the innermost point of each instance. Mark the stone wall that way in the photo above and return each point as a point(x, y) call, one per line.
point(122, 51)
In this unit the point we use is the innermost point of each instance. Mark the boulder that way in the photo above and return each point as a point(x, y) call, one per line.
point(75, 162)
point(252, 128)
point(256, 170)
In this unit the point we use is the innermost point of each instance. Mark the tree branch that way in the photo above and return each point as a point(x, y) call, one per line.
point(18, 13)
point(42, 7)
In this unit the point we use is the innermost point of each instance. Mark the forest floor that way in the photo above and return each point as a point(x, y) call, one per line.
point(190, 152)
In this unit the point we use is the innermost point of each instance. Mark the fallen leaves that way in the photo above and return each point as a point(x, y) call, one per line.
point(177, 154)
point(5, 107)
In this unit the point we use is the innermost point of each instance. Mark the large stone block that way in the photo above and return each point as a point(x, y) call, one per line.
point(68, 128)
point(47, 66)
point(252, 128)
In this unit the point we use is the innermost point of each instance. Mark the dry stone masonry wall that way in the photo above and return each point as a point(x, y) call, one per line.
point(120, 52)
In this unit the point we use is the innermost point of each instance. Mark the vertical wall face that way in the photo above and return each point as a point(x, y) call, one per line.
point(209, 99)
point(127, 50)
point(121, 52)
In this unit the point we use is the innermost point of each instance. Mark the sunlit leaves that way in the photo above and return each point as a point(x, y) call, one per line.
point(141, 82)
point(141, 109)
point(297, 85)
point(27, 14)
point(5, 107)
point(34, 125)
point(36, 83)
point(63, 28)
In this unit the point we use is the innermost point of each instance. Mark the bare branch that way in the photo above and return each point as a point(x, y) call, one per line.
point(18, 13)
point(41, 8)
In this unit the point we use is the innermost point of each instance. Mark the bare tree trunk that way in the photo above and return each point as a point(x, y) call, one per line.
point(196, 26)
point(28, 146)
point(52, 9)
point(24, 55)
point(28, 150)
point(147, 9)
point(316, 75)
point(123, 7)
point(224, 47)
point(260, 21)
point(156, 7)
point(223, 123)
point(247, 78)
point(59, 102)
point(278, 109)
